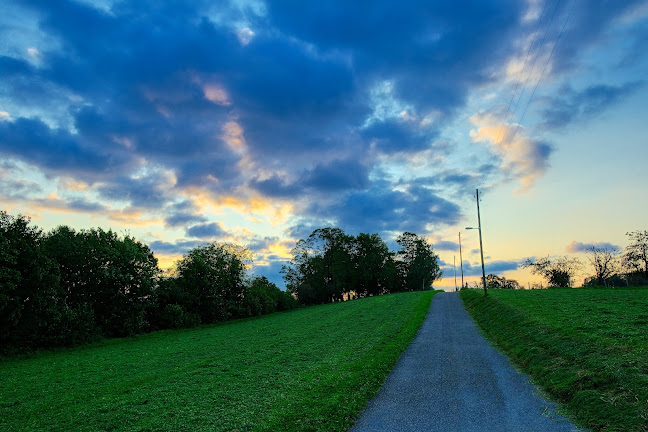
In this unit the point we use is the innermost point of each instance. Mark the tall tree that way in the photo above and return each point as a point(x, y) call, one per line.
point(321, 269)
point(212, 279)
point(375, 270)
point(418, 264)
point(31, 312)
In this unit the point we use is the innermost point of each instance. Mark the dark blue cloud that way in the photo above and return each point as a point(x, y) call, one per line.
point(575, 105)
point(382, 208)
point(16, 188)
point(258, 244)
point(575, 246)
point(178, 247)
point(392, 136)
point(125, 89)
point(337, 175)
point(589, 23)
point(276, 187)
point(182, 213)
point(446, 245)
point(492, 267)
point(206, 231)
point(149, 191)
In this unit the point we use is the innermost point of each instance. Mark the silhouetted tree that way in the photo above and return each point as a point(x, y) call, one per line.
point(604, 262)
point(31, 311)
point(375, 270)
point(212, 279)
point(321, 269)
point(418, 264)
point(635, 257)
point(108, 280)
point(557, 272)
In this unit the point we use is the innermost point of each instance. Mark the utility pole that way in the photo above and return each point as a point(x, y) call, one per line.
point(461, 261)
point(481, 248)
point(454, 264)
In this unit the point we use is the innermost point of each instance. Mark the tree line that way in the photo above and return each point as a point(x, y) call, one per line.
point(68, 287)
point(331, 265)
point(611, 267)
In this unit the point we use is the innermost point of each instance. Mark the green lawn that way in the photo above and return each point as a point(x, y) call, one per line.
point(587, 348)
point(310, 369)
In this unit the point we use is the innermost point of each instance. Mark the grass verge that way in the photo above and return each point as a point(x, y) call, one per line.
point(588, 349)
point(305, 370)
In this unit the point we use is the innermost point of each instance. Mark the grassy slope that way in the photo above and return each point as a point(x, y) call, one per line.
point(309, 369)
point(586, 348)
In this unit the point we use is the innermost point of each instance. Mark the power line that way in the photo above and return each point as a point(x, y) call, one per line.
point(517, 84)
point(511, 114)
point(541, 75)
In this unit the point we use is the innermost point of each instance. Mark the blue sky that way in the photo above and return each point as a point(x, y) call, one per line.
point(256, 122)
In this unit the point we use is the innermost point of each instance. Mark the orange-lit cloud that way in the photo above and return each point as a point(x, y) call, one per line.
point(134, 218)
point(216, 94)
point(233, 136)
point(71, 184)
point(274, 211)
point(525, 158)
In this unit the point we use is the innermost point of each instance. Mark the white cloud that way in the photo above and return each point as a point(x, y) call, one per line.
point(244, 35)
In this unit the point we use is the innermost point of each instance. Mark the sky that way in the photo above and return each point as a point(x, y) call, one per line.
point(187, 122)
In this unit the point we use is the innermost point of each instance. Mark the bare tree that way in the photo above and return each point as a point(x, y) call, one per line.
point(605, 263)
point(557, 272)
point(635, 257)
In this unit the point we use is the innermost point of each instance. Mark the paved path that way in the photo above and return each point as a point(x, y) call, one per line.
point(451, 379)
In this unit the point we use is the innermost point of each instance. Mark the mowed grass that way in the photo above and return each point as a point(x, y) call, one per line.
point(587, 348)
point(312, 369)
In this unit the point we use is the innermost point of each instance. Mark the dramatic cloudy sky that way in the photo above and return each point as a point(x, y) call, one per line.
point(186, 122)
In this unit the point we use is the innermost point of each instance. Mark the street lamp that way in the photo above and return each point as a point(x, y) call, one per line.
point(481, 251)
point(481, 248)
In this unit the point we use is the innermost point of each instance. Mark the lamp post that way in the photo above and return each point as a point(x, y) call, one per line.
point(454, 265)
point(481, 248)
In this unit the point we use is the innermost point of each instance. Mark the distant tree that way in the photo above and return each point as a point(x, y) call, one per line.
point(635, 257)
point(604, 262)
point(212, 280)
point(557, 272)
point(375, 270)
point(494, 281)
point(321, 269)
point(418, 264)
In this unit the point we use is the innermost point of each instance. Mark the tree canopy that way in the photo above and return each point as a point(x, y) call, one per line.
point(66, 287)
point(331, 265)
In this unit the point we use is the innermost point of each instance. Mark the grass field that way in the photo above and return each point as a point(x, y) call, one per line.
point(587, 348)
point(309, 369)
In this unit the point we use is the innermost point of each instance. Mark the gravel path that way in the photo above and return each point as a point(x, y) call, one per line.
point(451, 379)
